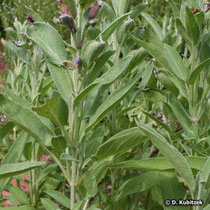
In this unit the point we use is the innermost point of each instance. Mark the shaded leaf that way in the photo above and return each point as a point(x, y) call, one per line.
point(60, 197)
point(198, 70)
point(55, 109)
point(111, 102)
point(113, 26)
point(160, 163)
point(120, 142)
point(60, 77)
point(171, 154)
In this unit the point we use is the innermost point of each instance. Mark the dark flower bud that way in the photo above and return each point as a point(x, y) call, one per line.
point(30, 19)
point(68, 21)
point(94, 11)
point(195, 11)
point(69, 64)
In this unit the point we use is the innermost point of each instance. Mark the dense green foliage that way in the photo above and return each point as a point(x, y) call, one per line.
point(121, 110)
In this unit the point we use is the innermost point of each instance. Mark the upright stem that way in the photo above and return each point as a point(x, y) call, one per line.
point(73, 179)
point(199, 197)
point(33, 175)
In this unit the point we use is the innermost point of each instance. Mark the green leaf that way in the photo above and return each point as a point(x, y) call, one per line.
point(175, 62)
point(14, 155)
point(198, 70)
point(113, 26)
point(120, 7)
point(94, 175)
point(160, 52)
point(4, 130)
point(138, 183)
point(20, 100)
point(116, 71)
point(94, 141)
point(160, 164)
point(60, 197)
point(174, 8)
point(138, 10)
point(13, 169)
point(205, 171)
point(170, 188)
point(55, 109)
point(207, 207)
point(180, 112)
point(155, 26)
point(108, 12)
point(90, 51)
point(79, 98)
point(171, 154)
point(18, 114)
point(67, 157)
point(167, 83)
point(18, 194)
point(49, 41)
point(183, 32)
point(15, 51)
point(18, 208)
point(61, 79)
point(96, 70)
point(111, 102)
point(48, 204)
point(120, 142)
point(192, 26)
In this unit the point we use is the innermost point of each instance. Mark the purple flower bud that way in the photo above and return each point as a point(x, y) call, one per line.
point(79, 61)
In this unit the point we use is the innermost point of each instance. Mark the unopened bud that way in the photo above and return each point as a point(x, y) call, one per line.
point(69, 64)
point(94, 11)
point(68, 21)
point(30, 19)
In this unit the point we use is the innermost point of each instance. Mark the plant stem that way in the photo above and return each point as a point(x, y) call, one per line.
point(200, 191)
point(33, 175)
point(73, 179)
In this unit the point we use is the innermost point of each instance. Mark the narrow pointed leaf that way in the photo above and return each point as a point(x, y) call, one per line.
point(67, 157)
point(183, 32)
point(4, 130)
point(156, 27)
point(175, 62)
point(48, 204)
point(60, 197)
point(159, 51)
point(206, 171)
point(14, 155)
point(198, 70)
point(19, 194)
point(24, 118)
point(60, 77)
point(138, 10)
point(13, 169)
point(79, 98)
point(120, 142)
point(113, 26)
point(171, 154)
point(111, 102)
point(192, 26)
point(160, 164)
point(174, 8)
point(180, 112)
